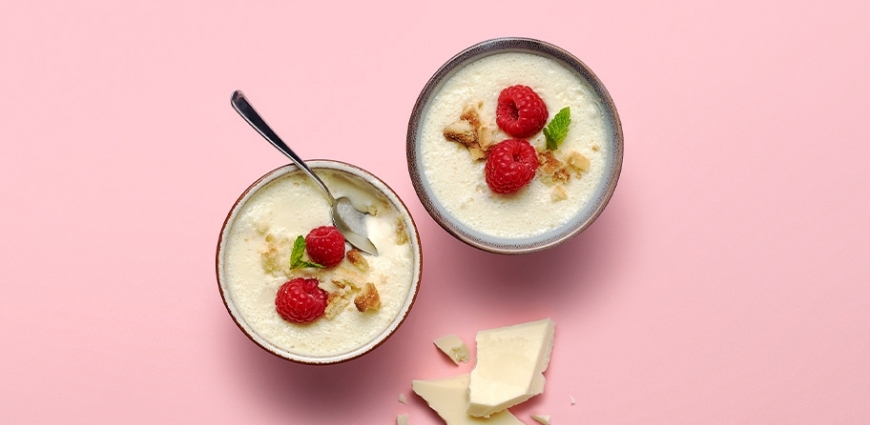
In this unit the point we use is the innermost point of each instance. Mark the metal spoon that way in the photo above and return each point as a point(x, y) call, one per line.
point(348, 220)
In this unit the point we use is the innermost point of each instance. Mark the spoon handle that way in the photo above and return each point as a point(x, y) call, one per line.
point(243, 107)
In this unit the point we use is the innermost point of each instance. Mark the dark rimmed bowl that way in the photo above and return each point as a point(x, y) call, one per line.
point(587, 215)
point(403, 311)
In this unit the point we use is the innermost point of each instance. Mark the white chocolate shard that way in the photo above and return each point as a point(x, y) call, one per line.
point(542, 419)
point(449, 398)
point(510, 365)
point(453, 347)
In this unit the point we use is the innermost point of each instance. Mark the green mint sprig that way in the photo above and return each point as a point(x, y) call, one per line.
point(296, 261)
point(556, 131)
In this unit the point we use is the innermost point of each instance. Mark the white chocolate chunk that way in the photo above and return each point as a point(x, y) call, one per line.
point(449, 398)
point(571, 398)
point(510, 365)
point(402, 419)
point(543, 419)
point(454, 347)
point(402, 399)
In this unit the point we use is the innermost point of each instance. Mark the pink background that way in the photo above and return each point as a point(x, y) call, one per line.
point(727, 282)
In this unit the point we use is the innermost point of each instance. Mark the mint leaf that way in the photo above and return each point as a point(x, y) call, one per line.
point(557, 129)
point(296, 261)
point(296, 254)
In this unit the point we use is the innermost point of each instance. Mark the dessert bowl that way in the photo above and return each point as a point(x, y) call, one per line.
point(254, 260)
point(575, 178)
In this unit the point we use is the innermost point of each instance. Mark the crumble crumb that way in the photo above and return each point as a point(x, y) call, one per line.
point(558, 194)
point(367, 298)
point(461, 132)
point(470, 131)
point(471, 113)
point(401, 232)
point(261, 227)
point(274, 255)
point(356, 258)
point(336, 302)
point(578, 162)
point(552, 169)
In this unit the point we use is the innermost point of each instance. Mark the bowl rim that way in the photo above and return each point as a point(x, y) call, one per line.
point(394, 324)
point(503, 45)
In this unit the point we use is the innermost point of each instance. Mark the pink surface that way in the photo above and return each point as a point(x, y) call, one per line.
point(727, 282)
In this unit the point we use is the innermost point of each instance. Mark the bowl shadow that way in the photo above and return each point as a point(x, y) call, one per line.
point(568, 274)
point(320, 388)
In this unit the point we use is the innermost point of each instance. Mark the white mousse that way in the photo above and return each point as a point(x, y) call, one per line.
point(290, 206)
point(457, 181)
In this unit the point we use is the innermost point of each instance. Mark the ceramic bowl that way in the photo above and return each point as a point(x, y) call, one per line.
point(423, 163)
point(259, 320)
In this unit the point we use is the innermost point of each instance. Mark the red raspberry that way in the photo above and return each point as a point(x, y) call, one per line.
point(300, 300)
point(520, 111)
point(325, 246)
point(511, 164)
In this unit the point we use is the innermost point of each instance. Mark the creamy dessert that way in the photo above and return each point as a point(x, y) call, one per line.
point(365, 293)
point(458, 130)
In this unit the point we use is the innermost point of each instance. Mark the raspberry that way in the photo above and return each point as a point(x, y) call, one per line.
point(325, 246)
point(520, 111)
point(300, 300)
point(511, 164)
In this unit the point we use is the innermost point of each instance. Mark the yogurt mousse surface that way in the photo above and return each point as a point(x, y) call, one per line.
point(457, 181)
point(256, 260)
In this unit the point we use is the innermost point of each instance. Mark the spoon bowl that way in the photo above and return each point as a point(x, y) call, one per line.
point(349, 221)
